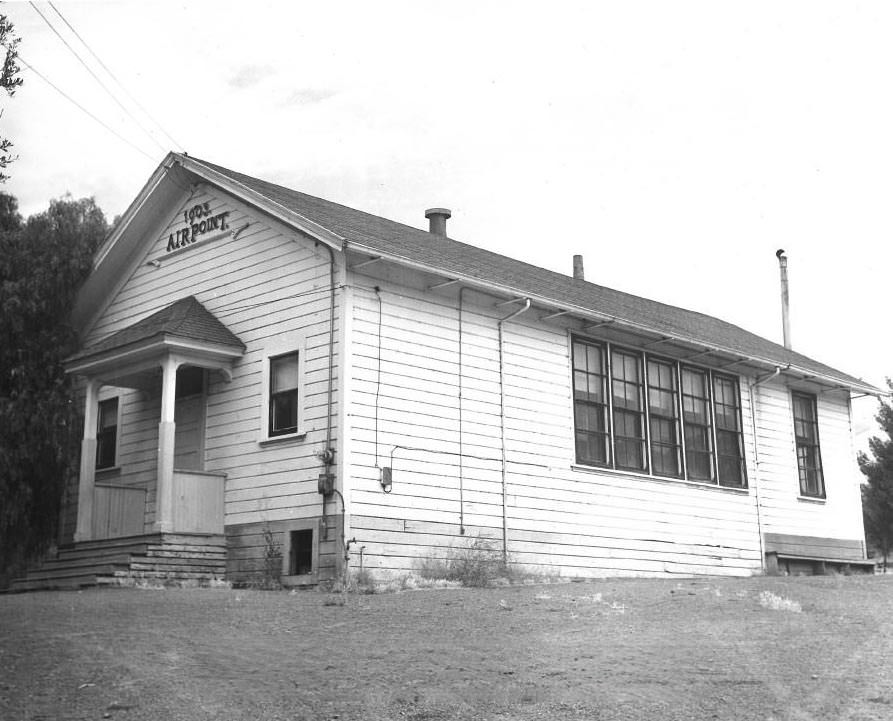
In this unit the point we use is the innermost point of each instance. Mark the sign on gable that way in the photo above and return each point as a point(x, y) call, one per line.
point(199, 221)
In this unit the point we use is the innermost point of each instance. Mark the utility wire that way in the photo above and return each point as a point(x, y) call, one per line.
point(75, 102)
point(115, 78)
point(97, 78)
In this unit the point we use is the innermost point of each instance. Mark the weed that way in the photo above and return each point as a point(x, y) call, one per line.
point(362, 581)
point(478, 564)
point(778, 603)
point(271, 570)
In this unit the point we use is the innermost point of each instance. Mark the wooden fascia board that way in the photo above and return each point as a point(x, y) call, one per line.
point(587, 314)
point(258, 200)
point(145, 353)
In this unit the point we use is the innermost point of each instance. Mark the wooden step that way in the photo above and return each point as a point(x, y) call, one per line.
point(64, 577)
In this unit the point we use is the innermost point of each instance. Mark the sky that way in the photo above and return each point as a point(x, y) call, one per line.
point(676, 146)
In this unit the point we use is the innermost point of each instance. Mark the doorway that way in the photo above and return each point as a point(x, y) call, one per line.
point(189, 416)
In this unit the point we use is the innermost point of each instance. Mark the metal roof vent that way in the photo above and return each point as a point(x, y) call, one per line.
point(437, 218)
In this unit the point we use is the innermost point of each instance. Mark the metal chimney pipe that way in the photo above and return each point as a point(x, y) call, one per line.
point(578, 267)
point(437, 218)
point(785, 300)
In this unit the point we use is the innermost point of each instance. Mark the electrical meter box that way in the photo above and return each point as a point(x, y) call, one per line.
point(326, 483)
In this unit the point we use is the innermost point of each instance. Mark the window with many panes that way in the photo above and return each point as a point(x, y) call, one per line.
point(698, 426)
point(107, 434)
point(592, 438)
point(661, 416)
point(629, 413)
point(806, 435)
point(284, 379)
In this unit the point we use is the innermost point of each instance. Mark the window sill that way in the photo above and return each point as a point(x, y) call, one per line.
point(110, 471)
point(273, 440)
point(305, 579)
point(659, 479)
point(812, 499)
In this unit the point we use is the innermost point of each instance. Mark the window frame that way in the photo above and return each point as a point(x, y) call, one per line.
point(102, 433)
point(287, 578)
point(675, 419)
point(603, 406)
point(812, 400)
point(282, 345)
point(647, 389)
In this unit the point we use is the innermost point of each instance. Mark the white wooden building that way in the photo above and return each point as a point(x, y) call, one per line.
point(255, 359)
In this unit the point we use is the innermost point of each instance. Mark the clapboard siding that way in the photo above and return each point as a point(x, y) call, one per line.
point(576, 521)
point(839, 515)
point(265, 283)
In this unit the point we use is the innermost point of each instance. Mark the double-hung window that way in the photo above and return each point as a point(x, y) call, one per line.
point(107, 434)
point(729, 439)
point(698, 426)
point(663, 412)
point(660, 417)
point(284, 392)
point(592, 438)
point(629, 412)
point(806, 435)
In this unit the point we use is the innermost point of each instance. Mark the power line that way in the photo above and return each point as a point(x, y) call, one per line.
point(75, 102)
point(97, 78)
point(115, 78)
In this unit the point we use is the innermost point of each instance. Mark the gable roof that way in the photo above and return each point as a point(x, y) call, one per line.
point(346, 228)
point(186, 320)
point(378, 235)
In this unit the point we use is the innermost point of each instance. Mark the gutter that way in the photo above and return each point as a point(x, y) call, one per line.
point(603, 317)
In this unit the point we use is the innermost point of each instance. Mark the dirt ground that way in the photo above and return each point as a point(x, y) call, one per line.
point(636, 649)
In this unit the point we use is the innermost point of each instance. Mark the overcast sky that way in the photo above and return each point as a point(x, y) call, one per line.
point(675, 145)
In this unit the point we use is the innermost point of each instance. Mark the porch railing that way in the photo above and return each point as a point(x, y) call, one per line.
point(198, 502)
point(118, 511)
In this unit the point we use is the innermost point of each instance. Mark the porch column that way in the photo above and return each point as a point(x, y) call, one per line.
point(86, 480)
point(164, 492)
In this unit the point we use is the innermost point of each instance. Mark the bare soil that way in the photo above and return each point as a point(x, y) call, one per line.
point(637, 649)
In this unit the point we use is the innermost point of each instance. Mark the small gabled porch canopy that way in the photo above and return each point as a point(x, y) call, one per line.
point(183, 333)
point(185, 329)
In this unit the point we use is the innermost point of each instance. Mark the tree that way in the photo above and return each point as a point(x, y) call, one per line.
point(10, 81)
point(877, 492)
point(43, 261)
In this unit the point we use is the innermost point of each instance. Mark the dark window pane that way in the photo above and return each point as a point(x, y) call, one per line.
point(590, 408)
point(284, 380)
point(806, 432)
point(107, 433)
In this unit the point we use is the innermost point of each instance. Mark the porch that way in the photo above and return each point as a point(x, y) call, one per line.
point(167, 357)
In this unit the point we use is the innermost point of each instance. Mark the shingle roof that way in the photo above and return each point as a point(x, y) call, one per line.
point(451, 257)
point(187, 319)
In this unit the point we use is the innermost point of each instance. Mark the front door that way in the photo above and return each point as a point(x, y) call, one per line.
point(189, 416)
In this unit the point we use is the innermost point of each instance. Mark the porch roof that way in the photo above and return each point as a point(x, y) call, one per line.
point(185, 324)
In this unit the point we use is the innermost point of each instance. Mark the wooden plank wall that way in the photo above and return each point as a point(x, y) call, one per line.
point(261, 285)
point(783, 511)
point(560, 518)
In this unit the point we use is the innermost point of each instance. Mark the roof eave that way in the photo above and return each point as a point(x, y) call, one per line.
point(149, 349)
point(762, 362)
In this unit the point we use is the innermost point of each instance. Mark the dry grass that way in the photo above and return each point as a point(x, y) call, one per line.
point(609, 650)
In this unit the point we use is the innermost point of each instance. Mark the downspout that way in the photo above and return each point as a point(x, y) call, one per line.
point(327, 456)
point(502, 425)
point(756, 456)
point(461, 435)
